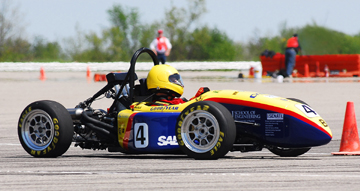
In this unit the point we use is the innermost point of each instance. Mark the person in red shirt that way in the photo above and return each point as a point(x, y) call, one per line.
point(161, 46)
point(292, 48)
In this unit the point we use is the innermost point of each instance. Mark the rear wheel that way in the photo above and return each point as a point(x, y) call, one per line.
point(45, 129)
point(205, 130)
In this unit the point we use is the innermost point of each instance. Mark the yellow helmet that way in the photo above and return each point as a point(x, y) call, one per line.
point(165, 78)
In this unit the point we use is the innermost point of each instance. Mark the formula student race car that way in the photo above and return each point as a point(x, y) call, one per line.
point(207, 127)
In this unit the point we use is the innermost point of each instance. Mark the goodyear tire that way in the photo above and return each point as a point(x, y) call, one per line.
point(205, 130)
point(45, 129)
point(288, 152)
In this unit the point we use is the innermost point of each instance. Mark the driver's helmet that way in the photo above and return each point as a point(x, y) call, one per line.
point(166, 79)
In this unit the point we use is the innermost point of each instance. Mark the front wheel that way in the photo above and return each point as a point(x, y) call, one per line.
point(288, 152)
point(45, 129)
point(205, 130)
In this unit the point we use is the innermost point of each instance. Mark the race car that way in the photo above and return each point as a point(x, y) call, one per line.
point(208, 126)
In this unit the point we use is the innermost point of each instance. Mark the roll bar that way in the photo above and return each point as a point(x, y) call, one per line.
point(129, 79)
point(131, 71)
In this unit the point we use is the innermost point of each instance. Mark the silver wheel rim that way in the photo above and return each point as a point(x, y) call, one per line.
point(200, 131)
point(37, 130)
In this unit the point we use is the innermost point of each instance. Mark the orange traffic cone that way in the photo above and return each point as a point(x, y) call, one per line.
point(42, 74)
point(88, 72)
point(96, 77)
point(350, 144)
point(88, 75)
point(306, 71)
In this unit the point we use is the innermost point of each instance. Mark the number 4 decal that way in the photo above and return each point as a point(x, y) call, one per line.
point(307, 110)
point(141, 135)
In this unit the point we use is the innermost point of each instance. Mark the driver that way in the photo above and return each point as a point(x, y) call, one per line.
point(165, 81)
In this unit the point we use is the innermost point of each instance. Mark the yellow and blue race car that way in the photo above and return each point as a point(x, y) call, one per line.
point(208, 126)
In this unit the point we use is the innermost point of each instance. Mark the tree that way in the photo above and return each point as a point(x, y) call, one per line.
point(6, 25)
point(210, 44)
point(45, 51)
point(74, 46)
point(128, 22)
point(16, 50)
point(177, 24)
point(127, 34)
point(115, 38)
point(10, 30)
point(319, 40)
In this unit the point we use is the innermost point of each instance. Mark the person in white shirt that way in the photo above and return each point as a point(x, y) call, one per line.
point(161, 47)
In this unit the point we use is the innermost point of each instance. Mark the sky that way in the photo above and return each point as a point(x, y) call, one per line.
point(241, 20)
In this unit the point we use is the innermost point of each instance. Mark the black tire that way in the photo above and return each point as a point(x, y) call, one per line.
point(288, 152)
point(205, 130)
point(45, 129)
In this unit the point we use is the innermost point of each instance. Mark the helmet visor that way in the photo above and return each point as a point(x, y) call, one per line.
point(176, 79)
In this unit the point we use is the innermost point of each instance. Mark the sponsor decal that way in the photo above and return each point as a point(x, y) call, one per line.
point(275, 116)
point(199, 98)
point(137, 107)
point(169, 140)
point(274, 125)
point(245, 115)
point(271, 130)
point(254, 95)
point(323, 123)
point(164, 108)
